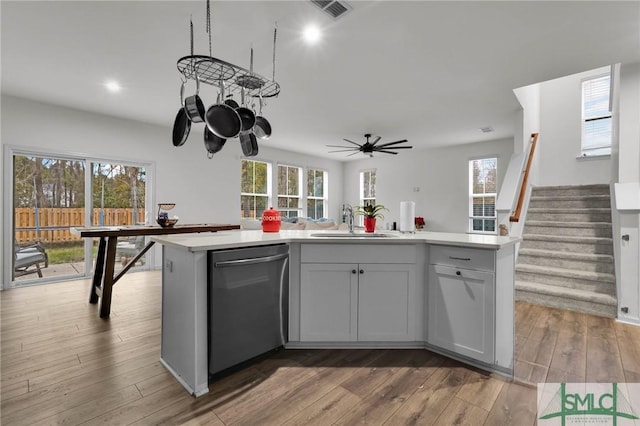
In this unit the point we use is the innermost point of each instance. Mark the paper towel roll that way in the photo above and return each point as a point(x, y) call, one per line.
point(407, 215)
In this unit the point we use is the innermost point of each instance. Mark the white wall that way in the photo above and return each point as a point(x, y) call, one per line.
point(560, 134)
point(441, 174)
point(205, 191)
point(628, 252)
point(629, 123)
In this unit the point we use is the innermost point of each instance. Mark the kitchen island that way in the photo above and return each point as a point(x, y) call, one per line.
point(446, 292)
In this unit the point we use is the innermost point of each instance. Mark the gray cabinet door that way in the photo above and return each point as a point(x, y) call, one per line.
point(328, 302)
point(461, 311)
point(386, 308)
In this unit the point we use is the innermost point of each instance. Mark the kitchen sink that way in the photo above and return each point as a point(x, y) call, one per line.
point(351, 235)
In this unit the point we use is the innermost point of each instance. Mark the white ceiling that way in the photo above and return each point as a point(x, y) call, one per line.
point(430, 72)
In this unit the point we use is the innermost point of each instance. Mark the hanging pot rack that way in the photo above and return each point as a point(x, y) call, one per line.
point(212, 71)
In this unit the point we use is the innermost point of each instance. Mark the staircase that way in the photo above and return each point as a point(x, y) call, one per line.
point(566, 255)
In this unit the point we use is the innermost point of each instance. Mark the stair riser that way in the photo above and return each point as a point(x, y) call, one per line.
point(570, 217)
point(571, 191)
point(568, 247)
point(576, 283)
point(584, 203)
point(568, 232)
point(569, 304)
point(556, 262)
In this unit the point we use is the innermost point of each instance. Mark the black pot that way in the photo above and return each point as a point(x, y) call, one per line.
point(212, 143)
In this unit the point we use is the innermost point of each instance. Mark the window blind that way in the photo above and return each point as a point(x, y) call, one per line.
point(596, 117)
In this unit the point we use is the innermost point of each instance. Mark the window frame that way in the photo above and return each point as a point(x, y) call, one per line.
point(473, 195)
point(593, 151)
point(284, 211)
point(365, 201)
point(267, 194)
point(311, 197)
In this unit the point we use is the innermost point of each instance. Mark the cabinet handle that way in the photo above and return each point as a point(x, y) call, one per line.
point(458, 273)
point(460, 258)
point(353, 271)
point(362, 271)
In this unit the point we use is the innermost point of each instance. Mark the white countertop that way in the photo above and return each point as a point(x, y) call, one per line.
point(244, 238)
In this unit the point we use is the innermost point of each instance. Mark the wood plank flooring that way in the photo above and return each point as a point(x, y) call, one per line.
point(62, 364)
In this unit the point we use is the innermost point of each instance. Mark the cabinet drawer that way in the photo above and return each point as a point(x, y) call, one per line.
point(462, 257)
point(358, 253)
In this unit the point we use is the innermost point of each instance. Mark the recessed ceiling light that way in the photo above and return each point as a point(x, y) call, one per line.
point(113, 86)
point(311, 34)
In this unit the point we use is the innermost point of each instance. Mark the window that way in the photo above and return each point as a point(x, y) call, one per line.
point(596, 116)
point(254, 195)
point(368, 187)
point(289, 191)
point(316, 193)
point(482, 195)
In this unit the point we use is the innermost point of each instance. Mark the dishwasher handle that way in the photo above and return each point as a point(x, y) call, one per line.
point(251, 261)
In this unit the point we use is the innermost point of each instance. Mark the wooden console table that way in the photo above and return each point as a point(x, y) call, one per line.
point(103, 278)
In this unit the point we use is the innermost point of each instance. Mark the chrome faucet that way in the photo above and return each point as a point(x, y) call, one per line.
point(347, 209)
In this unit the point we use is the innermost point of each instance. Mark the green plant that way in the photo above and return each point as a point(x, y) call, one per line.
point(371, 210)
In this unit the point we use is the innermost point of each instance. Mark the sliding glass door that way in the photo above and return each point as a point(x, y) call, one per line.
point(48, 199)
point(52, 193)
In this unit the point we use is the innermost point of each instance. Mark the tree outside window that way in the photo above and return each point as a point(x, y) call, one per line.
point(289, 191)
point(254, 195)
point(482, 195)
point(316, 193)
point(368, 187)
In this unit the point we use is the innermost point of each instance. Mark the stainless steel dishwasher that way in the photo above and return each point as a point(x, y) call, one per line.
point(248, 303)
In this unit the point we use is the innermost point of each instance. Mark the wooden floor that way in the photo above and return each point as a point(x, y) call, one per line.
point(61, 364)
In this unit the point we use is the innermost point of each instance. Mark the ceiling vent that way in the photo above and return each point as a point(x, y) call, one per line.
point(335, 9)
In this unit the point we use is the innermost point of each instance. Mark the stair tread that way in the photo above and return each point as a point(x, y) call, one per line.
point(569, 197)
point(567, 238)
point(566, 255)
point(569, 210)
point(602, 186)
point(557, 224)
point(564, 272)
point(568, 293)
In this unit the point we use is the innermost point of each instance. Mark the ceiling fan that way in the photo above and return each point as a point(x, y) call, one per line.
point(369, 148)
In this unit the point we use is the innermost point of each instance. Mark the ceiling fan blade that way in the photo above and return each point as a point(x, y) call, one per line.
point(340, 146)
point(387, 152)
point(353, 154)
point(347, 140)
point(376, 141)
point(344, 150)
point(392, 143)
point(393, 147)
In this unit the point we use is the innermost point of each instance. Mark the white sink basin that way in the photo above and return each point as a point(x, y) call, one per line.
point(351, 235)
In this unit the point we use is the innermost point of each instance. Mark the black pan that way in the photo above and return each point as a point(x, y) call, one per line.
point(254, 146)
point(262, 128)
point(223, 120)
point(181, 128)
point(212, 143)
point(194, 106)
point(246, 143)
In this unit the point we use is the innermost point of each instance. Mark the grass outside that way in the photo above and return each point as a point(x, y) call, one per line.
point(67, 253)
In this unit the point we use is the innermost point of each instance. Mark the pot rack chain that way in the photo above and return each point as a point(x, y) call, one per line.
point(236, 79)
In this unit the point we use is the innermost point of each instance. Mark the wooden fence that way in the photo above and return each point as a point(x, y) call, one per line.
point(54, 223)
